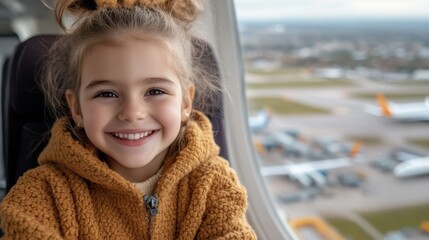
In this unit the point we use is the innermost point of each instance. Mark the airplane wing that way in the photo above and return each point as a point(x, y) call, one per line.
point(308, 172)
point(292, 169)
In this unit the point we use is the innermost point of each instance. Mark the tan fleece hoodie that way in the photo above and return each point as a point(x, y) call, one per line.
point(74, 195)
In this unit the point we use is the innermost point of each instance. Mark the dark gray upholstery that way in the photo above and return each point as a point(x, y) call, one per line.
point(23, 111)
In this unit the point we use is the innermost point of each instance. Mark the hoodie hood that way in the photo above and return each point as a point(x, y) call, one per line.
point(66, 152)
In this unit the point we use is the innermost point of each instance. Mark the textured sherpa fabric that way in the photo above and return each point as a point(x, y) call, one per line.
point(74, 195)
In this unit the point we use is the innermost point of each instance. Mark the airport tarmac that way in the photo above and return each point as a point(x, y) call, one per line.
point(347, 120)
point(378, 191)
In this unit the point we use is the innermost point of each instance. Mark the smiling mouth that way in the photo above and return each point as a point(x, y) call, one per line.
point(133, 136)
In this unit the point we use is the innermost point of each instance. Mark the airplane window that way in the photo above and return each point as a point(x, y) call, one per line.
point(338, 105)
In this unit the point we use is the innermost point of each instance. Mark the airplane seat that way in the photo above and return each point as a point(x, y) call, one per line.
point(214, 110)
point(26, 120)
point(23, 110)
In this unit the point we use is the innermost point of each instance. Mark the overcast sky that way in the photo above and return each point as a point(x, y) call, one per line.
point(311, 9)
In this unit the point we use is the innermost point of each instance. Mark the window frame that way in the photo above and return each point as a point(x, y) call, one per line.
point(221, 29)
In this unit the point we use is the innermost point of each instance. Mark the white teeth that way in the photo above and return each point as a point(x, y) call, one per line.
point(132, 136)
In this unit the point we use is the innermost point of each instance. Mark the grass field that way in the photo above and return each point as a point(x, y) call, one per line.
point(391, 96)
point(420, 142)
point(384, 221)
point(367, 140)
point(313, 83)
point(295, 71)
point(411, 83)
point(282, 71)
point(348, 229)
point(283, 107)
point(395, 219)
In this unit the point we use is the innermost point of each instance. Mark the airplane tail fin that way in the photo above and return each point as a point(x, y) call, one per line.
point(384, 105)
point(355, 149)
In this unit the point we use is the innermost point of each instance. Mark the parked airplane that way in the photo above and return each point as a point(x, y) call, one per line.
point(411, 112)
point(292, 143)
point(260, 121)
point(388, 162)
point(307, 173)
point(288, 141)
point(412, 168)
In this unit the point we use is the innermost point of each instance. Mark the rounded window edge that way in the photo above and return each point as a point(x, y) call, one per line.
point(262, 215)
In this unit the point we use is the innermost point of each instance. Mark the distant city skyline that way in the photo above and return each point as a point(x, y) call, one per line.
point(330, 9)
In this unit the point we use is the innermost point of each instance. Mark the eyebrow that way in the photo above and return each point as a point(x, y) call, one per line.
point(95, 83)
point(159, 80)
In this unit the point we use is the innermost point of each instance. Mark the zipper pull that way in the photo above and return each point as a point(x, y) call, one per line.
point(151, 204)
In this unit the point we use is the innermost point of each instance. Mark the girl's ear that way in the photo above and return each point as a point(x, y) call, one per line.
point(188, 97)
point(74, 107)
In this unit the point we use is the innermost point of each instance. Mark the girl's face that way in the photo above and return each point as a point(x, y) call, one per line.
point(131, 105)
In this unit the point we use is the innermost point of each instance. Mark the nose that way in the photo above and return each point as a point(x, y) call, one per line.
point(132, 110)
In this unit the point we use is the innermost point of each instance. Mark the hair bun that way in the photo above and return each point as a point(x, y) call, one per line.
point(184, 10)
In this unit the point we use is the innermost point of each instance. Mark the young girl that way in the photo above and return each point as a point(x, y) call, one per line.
point(128, 157)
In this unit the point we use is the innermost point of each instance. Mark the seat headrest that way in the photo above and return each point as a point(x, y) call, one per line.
point(25, 72)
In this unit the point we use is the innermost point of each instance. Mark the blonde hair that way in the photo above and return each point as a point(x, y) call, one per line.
point(166, 22)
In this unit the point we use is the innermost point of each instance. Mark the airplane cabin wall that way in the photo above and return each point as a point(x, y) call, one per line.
point(26, 27)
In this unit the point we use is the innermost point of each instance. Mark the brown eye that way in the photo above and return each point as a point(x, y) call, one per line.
point(155, 91)
point(106, 94)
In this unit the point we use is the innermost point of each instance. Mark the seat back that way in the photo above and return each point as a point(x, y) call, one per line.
point(26, 121)
point(23, 108)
